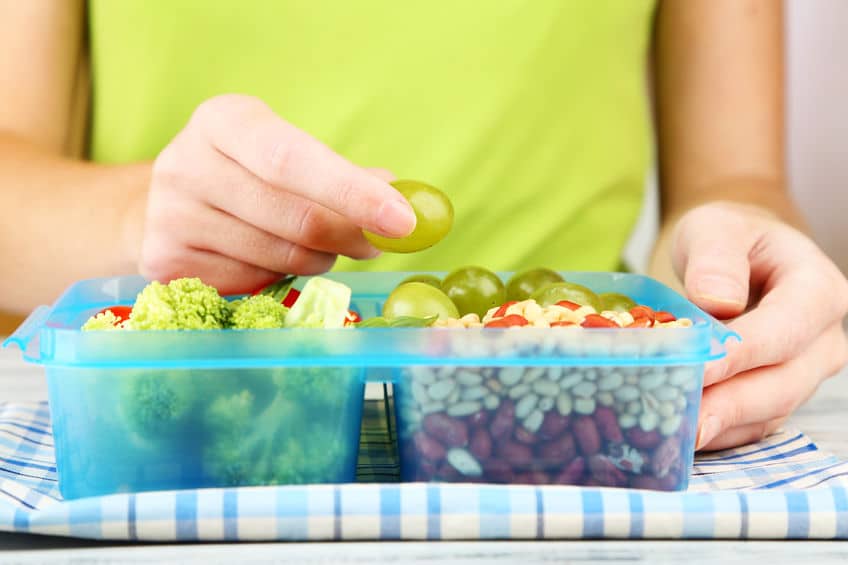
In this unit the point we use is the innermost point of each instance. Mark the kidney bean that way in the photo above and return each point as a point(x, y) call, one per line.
point(449, 431)
point(532, 478)
point(639, 438)
point(553, 425)
point(448, 473)
point(607, 423)
point(603, 470)
point(425, 470)
point(524, 436)
point(665, 457)
point(514, 453)
point(428, 448)
point(497, 471)
point(573, 472)
point(671, 481)
point(504, 420)
point(481, 444)
point(645, 482)
point(587, 436)
point(478, 419)
point(558, 451)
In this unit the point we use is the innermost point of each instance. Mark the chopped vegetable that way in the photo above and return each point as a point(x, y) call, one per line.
point(322, 304)
point(260, 312)
point(105, 320)
point(182, 304)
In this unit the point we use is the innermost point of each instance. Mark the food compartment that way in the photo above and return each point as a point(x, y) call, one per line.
point(616, 426)
point(129, 430)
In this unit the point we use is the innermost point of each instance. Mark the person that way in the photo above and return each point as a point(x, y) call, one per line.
point(235, 142)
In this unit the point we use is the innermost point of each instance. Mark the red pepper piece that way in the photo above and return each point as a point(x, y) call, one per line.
point(598, 321)
point(501, 312)
point(291, 297)
point(508, 321)
point(665, 317)
point(642, 312)
point(568, 304)
point(640, 323)
point(120, 312)
point(352, 317)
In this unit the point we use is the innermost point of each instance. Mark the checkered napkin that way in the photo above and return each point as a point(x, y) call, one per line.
point(783, 487)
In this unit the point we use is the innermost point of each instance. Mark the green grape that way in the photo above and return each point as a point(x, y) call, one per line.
point(474, 290)
point(418, 300)
point(554, 292)
point(521, 285)
point(433, 213)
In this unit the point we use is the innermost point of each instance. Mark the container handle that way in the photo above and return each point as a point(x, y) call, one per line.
point(720, 335)
point(29, 329)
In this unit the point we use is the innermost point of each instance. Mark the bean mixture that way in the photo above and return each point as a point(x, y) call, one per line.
point(620, 426)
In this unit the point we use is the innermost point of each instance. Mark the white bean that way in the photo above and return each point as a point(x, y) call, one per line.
point(586, 389)
point(627, 393)
point(464, 462)
point(510, 376)
point(584, 405)
point(441, 390)
point(525, 406)
point(464, 409)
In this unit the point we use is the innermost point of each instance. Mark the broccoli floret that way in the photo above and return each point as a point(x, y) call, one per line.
point(280, 444)
point(258, 312)
point(324, 386)
point(103, 321)
point(155, 405)
point(182, 304)
point(309, 460)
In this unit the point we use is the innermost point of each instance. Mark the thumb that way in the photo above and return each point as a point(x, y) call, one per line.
point(710, 255)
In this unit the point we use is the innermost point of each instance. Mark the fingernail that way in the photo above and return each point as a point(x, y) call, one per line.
point(722, 290)
point(707, 431)
point(396, 218)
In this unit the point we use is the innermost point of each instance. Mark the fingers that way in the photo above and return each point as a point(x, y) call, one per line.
point(795, 310)
point(284, 215)
point(743, 435)
point(250, 133)
point(710, 255)
point(382, 174)
point(769, 393)
point(228, 275)
point(243, 242)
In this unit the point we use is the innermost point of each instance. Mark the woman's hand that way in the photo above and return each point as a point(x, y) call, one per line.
point(788, 301)
point(240, 197)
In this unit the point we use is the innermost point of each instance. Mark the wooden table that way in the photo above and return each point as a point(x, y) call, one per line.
point(824, 418)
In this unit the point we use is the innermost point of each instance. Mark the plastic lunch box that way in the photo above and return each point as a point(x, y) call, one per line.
point(610, 407)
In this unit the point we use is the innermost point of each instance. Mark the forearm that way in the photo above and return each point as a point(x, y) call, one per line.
point(62, 220)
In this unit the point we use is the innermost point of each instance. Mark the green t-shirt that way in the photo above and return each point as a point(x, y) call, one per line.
point(531, 114)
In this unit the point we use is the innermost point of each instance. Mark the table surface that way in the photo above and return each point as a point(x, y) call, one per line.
point(823, 418)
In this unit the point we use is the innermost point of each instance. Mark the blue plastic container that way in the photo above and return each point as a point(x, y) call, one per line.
point(136, 411)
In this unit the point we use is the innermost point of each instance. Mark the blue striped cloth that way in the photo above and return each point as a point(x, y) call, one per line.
point(784, 487)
